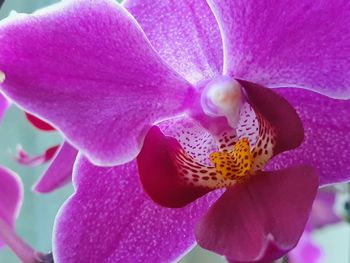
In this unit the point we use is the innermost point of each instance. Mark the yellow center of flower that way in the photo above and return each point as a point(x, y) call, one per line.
point(239, 154)
point(235, 164)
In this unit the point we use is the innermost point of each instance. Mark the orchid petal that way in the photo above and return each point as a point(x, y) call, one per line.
point(87, 68)
point(327, 137)
point(24, 159)
point(184, 33)
point(262, 219)
point(59, 173)
point(11, 195)
point(111, 219)
point(306, 251)
point(323, 210)
point(302, 43)
point(38, 123)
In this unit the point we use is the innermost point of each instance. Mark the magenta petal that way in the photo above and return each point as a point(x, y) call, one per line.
point(87, 68)
point(184, 33)
point(306, 251)
point(11, 194)
point(261, 220)
point(111, 219)
point(59, 172)
point(327, 135)
point(39, 124)
point(301, 43)
point(323, 210)
point(25, 159)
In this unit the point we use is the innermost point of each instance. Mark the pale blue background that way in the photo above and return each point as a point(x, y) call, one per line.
point(38, 212)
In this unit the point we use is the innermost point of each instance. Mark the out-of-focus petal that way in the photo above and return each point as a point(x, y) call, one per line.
point(24, 159)
point(261, 220)
point(59, 173)
point(323, 210)
point(306, 251)
point(327, 135)
point(4, 105)
point(184, 33)
point(87, 68)
point(38, 123)
point(302, 43)
point(11, 195)
point(111, 219)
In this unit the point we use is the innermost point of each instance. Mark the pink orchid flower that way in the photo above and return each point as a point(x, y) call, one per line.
point(189, 98)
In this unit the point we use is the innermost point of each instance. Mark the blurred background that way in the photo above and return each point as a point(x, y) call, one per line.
point(37, 216)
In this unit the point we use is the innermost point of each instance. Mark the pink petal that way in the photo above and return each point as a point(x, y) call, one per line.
point(4, 105)
point(184, 33)
point(11, 195)
point(323, 210)
point(262, 219)
point(87, 68)
point(327, 135)
point(59, 173)
point(111, 219)
point(38, 123)
point(302, 43)
point(24, 159)
point(306, 251)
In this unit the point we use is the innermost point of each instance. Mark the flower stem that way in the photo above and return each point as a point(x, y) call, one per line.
point(22, 250)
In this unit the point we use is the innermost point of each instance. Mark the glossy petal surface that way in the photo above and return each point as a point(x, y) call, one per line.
point(87, 68)
point(111, 219)
point(184, 33)
point(303, 43)
point(59, 172)
point(327, 135)
point(261, 220)
point(11, 194)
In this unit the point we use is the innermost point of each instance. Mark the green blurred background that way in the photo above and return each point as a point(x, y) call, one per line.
point(37, 216)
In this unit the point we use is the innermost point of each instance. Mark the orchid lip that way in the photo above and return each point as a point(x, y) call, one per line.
point(223, 97)
point(238, 154)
